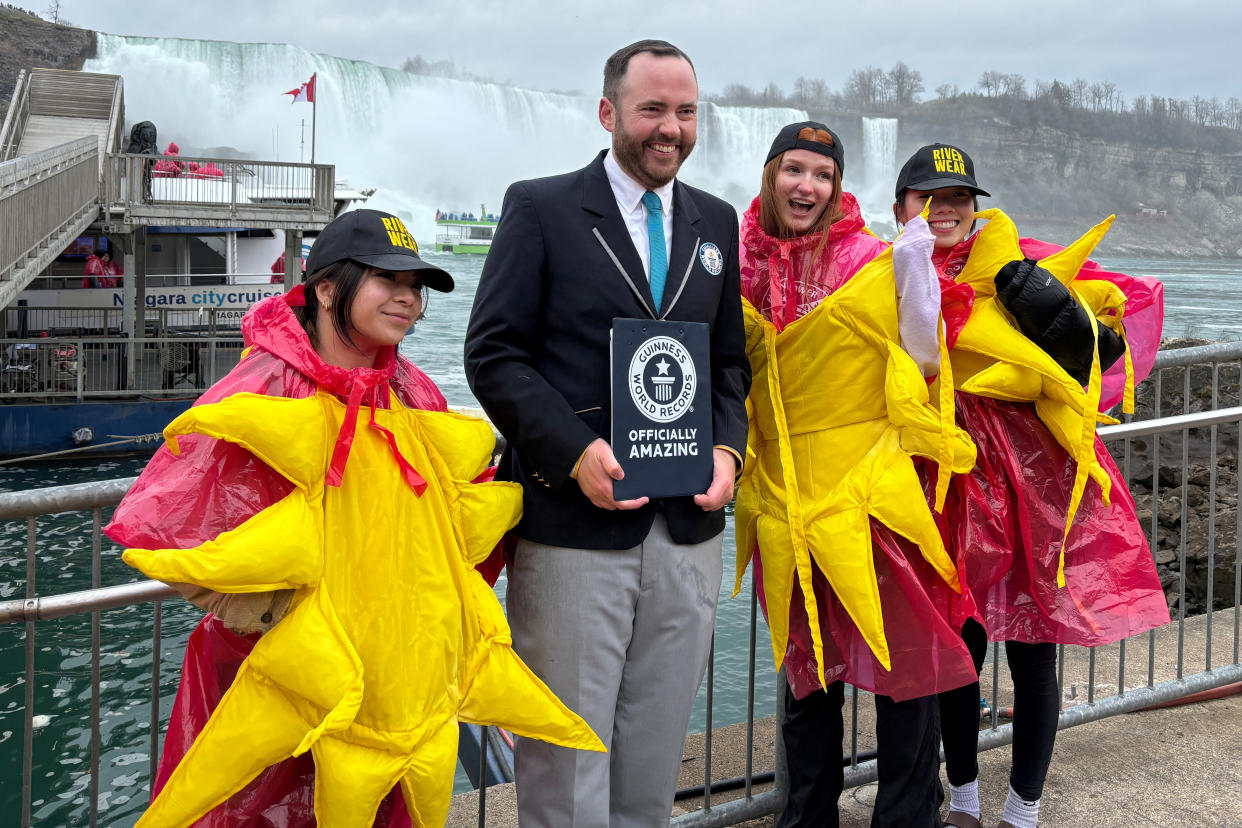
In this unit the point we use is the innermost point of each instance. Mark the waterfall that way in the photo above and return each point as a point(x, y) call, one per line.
point(424, 142)
point(879, 174)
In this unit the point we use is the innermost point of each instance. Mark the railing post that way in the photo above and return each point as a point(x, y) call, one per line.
point(80, 374)
point(28, 717)
point(157, 634)
point(96, 583)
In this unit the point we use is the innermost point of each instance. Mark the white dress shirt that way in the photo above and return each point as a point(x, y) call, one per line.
point(629, 195)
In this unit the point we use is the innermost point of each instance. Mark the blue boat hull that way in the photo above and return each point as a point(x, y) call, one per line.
point(27, 429)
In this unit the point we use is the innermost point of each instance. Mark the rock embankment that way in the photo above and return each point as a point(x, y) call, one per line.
point(1210, 520)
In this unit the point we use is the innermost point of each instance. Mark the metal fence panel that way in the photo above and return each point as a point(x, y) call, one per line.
point(1200, 439)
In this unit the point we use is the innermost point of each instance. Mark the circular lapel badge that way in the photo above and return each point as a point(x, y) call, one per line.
point(662, 379)
point(709, 255)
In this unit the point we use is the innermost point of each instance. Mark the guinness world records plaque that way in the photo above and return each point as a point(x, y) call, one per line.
point(661, 407)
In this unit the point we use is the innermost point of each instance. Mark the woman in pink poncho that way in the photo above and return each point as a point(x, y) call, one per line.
point(216, 485)
point(1003, 522)
point(803, 239)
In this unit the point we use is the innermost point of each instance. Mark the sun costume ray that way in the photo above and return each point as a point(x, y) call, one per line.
point(838, 411)
point(1043, 530)
point(401, 649)
point(391, 637)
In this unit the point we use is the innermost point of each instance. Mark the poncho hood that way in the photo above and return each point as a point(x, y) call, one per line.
point(271, 325)
point(780, 279)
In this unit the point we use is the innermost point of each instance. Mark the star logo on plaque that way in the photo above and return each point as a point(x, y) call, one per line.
point(662, 379)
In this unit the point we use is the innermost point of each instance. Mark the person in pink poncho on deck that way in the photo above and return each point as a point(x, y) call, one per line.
point(101, 271)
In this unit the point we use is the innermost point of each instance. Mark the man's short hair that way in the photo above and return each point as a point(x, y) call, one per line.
point(616, 65)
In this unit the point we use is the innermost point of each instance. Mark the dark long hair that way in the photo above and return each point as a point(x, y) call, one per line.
point(347, 276)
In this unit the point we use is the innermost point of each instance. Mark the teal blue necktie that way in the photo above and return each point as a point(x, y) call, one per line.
point(655, 237)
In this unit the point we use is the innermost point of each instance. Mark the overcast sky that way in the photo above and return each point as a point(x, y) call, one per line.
point(1177, 48)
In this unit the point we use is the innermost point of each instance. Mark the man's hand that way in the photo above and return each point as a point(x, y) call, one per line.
point(721, 490)
point(595, 475)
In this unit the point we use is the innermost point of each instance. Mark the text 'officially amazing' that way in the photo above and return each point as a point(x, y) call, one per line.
point(663, 442)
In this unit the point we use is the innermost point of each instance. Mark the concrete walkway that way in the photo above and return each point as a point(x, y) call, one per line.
point(1175, 766)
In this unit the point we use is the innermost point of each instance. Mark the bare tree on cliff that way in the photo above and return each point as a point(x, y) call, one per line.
point(864, 90)
point(1078, 93)
point(990, 83)
point(810, 93)
point(906, 84)
point(1013, 86)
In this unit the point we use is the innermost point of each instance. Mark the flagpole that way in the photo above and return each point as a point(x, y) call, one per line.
point(314, 112)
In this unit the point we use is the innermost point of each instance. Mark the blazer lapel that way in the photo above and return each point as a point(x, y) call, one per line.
point(686, 238)
point(610, 232)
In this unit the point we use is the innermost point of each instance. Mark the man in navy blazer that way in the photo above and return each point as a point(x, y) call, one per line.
point(612, 603)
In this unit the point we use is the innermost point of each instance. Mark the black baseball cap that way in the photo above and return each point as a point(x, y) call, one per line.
point(788, 139)
point(935, 166)
point(377, 239)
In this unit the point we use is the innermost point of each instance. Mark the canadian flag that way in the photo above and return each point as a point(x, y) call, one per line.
point(305, 92)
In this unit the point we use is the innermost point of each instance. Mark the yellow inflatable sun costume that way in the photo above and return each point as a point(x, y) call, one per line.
point(992, 358)
point(837, 409)
point(392, 638)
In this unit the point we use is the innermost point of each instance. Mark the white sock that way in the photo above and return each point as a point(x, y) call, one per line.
point(965, 798)
point(1019, 812)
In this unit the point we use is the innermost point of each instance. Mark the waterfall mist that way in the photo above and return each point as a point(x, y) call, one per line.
point(875, 195)
point(424, 142)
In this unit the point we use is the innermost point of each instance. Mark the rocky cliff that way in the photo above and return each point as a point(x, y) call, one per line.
point(1169, 200)
point(1205, 497)
point(27, 42)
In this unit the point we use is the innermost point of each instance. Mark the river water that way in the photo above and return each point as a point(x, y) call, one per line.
point(1202, 298)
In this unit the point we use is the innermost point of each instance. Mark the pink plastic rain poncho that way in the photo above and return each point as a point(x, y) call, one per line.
point(223, 485)
point(922, 615)
point(1004, 521)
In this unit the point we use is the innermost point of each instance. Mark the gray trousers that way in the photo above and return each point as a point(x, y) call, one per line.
point(622, 637)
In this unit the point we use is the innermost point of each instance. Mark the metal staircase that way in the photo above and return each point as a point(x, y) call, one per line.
point(63, 167)
point(51, 107)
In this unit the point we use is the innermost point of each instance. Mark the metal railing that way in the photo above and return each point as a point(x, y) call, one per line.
point(202, 191)
point(35, 322)
point(46, 199)
point(116, 139)
point(1164, 675)
point(96, 367)
point(15, 117)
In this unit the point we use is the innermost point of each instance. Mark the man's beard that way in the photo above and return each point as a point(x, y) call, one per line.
point(630, 155)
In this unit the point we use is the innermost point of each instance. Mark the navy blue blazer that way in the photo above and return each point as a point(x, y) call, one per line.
point(561, 267)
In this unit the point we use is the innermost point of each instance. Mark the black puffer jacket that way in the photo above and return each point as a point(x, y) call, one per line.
point(1051, 318)
point(142, 139)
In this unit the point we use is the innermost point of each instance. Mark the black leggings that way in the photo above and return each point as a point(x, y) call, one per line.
point(1036, 705)
point(909, 794)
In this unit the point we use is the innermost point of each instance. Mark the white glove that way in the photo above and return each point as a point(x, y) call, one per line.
point(918, 295)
